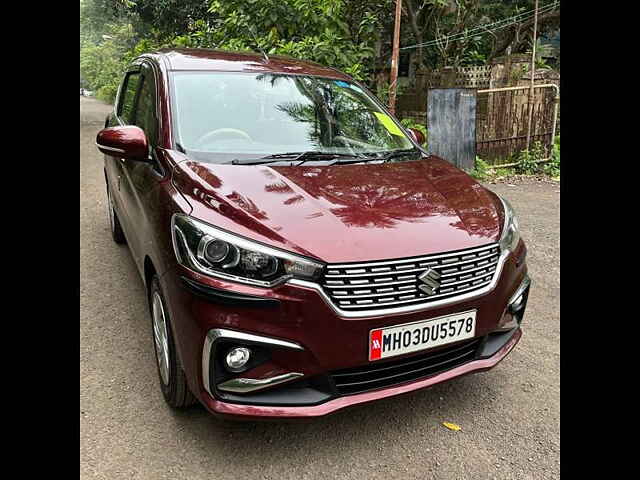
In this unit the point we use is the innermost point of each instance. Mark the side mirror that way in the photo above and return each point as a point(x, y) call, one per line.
point(417, 135)
point(128, 142)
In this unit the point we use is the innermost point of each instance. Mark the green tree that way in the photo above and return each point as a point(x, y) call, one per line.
point(429, 20)
point(352, 35)
point(331, 32)
point(166, 18)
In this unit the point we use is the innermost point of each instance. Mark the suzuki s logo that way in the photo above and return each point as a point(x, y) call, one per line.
point(430, 279)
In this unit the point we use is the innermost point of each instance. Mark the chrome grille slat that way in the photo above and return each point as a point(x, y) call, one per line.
point(384, 284)
point(380, 281)
point(466, 280)
point(473, 270)
point(420, 299)
point(404, 292)
point(356, 271)
point(368, 295)
point(372, 285)
point(418, 259)
point(374, 274)
point(404, 269)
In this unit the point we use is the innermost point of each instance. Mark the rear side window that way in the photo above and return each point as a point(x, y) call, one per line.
point(127, 106)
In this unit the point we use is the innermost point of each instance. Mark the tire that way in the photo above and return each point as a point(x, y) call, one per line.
point(173, 382)
point(114, 223)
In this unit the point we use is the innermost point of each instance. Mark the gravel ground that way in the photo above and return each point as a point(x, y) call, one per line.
point(509, 416)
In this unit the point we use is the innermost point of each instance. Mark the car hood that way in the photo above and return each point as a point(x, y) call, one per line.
point(344, 213)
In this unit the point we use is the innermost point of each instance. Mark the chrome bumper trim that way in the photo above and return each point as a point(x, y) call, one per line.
point(526, 283)
point(217, 333)
point(513, 323)
point(246, 385)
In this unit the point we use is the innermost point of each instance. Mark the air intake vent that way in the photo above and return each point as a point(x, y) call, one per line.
point(386, 374)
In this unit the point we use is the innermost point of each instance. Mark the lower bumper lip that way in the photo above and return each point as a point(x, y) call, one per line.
point(331, 406)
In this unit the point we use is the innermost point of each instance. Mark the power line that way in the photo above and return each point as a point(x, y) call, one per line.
point(490, 27)
point(481, 29)
point(485, 28)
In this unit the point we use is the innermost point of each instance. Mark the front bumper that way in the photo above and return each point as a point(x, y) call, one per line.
point(328, 343)
point(218, 407)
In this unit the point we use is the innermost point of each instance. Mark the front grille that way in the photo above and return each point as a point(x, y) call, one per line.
point(384, 284)
point(395, 372)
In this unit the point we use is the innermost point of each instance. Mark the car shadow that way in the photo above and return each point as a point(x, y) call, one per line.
point(415, 413)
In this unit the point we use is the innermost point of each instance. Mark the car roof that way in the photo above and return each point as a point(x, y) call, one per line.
point(202, 59)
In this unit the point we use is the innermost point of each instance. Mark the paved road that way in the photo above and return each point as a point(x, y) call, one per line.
point(509, 415)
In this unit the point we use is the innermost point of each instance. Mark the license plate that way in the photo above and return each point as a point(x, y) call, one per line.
point(422, 335)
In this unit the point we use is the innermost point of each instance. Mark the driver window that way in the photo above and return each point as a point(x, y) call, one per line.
point(127, 105)
point(145, 114)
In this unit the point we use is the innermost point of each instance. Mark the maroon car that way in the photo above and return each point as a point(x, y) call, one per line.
point(300, 250)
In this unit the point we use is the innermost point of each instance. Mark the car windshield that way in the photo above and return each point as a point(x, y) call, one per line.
point(221, 116)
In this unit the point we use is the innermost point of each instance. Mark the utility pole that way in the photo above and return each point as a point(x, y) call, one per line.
point(394, 59)
point(532, 72)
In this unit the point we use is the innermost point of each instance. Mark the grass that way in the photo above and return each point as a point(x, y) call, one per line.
point(528, 165)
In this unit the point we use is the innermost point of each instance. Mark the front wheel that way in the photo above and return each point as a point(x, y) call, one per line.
point(173, 382)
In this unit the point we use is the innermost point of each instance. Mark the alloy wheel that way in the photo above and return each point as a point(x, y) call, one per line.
point(160, 337)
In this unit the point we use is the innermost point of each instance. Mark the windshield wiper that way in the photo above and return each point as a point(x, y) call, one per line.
point(313, 155)
point(399, 153)
point(295, 156)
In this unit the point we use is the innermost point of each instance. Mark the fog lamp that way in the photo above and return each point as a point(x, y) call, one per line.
point(237, 359)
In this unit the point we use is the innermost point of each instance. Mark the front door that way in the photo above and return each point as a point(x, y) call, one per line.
point(140, 179)
point(113, 164)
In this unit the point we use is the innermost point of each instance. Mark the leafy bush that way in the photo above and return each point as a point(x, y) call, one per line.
point(482, 170)
point(501, 172)
point(552, 168)
point(528, 160)
point(102, 64)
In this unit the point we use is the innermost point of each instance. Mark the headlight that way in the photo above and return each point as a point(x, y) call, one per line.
point(511, 230)
point(217, 253)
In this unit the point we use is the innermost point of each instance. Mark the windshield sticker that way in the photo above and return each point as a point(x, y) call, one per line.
point(391, 127)
point(351, 86)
